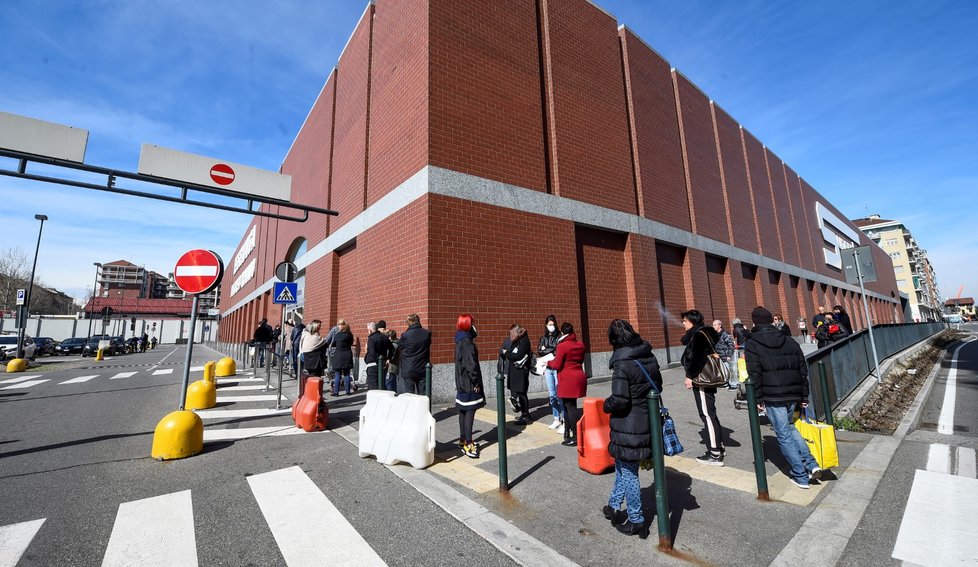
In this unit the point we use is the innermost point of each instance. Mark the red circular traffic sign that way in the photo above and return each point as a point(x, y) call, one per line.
point(198, 271)
point(222, 174)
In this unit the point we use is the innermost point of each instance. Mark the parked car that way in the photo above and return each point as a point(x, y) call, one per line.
point(120, 345)
point(91, 347)
point(132, 344)
point(45, 345)
point(74, 345)
point(8, 347)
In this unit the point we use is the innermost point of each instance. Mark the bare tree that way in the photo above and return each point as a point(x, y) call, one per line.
point(15, 273)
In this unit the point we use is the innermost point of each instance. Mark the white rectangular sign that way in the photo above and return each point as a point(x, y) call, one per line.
point(21, 294)
point(22, 134)
point(212, 172)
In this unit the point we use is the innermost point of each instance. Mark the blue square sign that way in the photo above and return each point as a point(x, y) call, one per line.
point(285, 293)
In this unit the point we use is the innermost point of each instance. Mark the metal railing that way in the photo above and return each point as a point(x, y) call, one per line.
point(850, 360)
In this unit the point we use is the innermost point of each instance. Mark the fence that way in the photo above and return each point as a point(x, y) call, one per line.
point(850, 360)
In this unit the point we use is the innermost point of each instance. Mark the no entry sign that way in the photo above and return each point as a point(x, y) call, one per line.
point(198, 271)
point(222, 174)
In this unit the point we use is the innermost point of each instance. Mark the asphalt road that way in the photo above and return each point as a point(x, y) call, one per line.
point(74, 451)
point(922, 510)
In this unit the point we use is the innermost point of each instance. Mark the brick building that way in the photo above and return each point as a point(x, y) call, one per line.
point(514, 159)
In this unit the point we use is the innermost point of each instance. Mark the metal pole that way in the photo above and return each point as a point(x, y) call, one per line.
point(268, 368)
point(826, 404)
point(190, 350)
point(659, 470)
point(501, 433)
point(869, 322)
point(30, 289)
point(94, 295)
point(380, 373)
point(755, 437)
point(278, 401)
point(427, 383)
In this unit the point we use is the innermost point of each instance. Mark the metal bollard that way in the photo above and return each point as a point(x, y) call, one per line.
point(826, 404)
point(755, 438)
point(278, 401)
point(501, 433)
point(659, 470)
point(427, 383)
point(381, 375)
point(268, 370)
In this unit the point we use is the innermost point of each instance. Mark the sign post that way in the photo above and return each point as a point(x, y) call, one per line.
point(285, 293)
point(864, 271)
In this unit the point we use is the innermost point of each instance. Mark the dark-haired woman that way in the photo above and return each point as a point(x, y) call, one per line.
point(469, 393)
point(519, 356)
point(634, 370)
point(700, 341)
point(341, 359)
point(571, 381)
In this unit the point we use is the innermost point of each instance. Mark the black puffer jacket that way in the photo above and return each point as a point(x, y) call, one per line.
point(700, 342)
point(631, 438)
point(415, 352)
point(519, 365)
point(777, 365)
point(342, 356)
point(468, 373)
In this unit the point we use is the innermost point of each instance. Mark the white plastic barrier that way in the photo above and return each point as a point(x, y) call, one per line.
point(397, 429)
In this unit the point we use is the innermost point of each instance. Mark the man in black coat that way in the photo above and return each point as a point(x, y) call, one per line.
point(377, 345)
point(262, 336)
point(777, 366)
point(840, 315)
point(415, 349)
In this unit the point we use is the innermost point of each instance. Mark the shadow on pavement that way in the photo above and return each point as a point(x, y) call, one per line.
point(681, 499)
point(531, 470)
point(52, 446)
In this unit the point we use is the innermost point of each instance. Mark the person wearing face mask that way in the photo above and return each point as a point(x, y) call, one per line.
point(546, 346)
point(469, 391)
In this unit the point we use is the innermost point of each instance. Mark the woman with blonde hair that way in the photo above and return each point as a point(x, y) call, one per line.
point(313, 347)
point(341, 359)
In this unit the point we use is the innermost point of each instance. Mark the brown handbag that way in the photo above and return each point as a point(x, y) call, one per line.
point(715, 372)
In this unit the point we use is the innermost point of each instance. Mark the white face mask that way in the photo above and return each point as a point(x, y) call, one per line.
point(551, 328)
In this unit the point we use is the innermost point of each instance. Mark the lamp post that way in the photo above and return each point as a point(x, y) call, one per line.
point(30, 288)
point(94, 294)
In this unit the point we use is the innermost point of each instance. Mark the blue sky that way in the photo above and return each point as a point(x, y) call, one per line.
point(872, 102)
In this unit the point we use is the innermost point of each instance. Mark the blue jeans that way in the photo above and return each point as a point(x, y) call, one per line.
point(391, 383)
point(627, 488)
point(347, 380)
point(556, 406)
point(793, 447)
point(734, 381)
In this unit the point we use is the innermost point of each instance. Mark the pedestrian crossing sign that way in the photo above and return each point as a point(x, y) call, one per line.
point(285, 292)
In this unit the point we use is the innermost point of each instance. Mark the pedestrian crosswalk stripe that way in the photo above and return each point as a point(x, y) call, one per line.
point(966, 462)
point(234, 414)
point(163, 371)
point(291, 502)
point(242, 388)
point(123, 375)
point(236, 379)
point(211, 435)
point(260, 398)
point(19, 379)
point(938, 521)
point(27, 384)
point(153, 531)
point(196, 368)
point(79, 380)
point(939, 458)
point(14, 540)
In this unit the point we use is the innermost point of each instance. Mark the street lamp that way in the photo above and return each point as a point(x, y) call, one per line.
point(30, 288)
point(94, 293)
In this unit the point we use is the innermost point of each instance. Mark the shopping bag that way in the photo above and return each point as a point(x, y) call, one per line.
point(670, 439)
point(820, 438)
point(742, 369)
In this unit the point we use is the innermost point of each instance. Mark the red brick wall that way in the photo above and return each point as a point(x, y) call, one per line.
point(761, 194)
point(749, 274)
point(659, 171)
point(485, 91)
point(770, 284)
point(587, 118)
point(805, 231)
point(697, 284)
point(720, 296)
point(399, 117)
point(782, 206)
point(789, 285)
point(672, 289)
point(601, 276)
point(350, 126)
point(706, 199)
point(734, 170)
point(643, 288)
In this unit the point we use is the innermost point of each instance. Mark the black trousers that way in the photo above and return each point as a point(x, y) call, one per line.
point(466, 421)
point(372, 377)
point(706, 406)
point(571, 415)
point(410, 386)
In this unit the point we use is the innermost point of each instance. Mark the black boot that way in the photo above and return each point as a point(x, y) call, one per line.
point(628, 528)
point(615, 516)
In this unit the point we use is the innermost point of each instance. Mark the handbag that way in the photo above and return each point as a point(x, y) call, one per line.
point(715, 372)
point(820, 438)
point(670, 439)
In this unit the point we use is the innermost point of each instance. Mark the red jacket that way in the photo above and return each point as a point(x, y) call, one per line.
point(568, 362)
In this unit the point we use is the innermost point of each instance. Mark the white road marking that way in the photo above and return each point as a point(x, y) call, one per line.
point(234, 379)
point(945, 424)
point(79, 380)
point(154, 531)
point(249, 432)
point(123, 375)
point(27, 384)
point(164, 371)
point(260, 398)
point(938, 527)
point(162, 359)
point(20, 379)
point(291, 502)
point(242, 388)
point(966, 462)
point(232, 414)
point(196, 368)
point(939, 458)
point(14, 540)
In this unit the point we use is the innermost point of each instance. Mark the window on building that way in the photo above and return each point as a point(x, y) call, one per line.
point(901, 283)
point(899, 269)
point(894, 254)
point(891, 242)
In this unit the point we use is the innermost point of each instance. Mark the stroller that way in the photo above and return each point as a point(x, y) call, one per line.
point(740, 400)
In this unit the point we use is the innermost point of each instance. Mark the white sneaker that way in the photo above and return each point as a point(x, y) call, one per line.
point(560, 429)
point(555, 424)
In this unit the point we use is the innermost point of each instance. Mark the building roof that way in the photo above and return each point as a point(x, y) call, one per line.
point(129, 306)
point(121, 263)
point(959, 301)
point(870, 221)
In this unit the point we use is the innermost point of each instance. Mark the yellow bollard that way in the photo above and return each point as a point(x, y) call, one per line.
point(99, 355)
point(226, 367)
point(178, 435)
point(202, 394)
point(209, 368)
point(17, 365)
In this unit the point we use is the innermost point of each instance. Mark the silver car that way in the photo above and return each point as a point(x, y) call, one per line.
point(8, 347)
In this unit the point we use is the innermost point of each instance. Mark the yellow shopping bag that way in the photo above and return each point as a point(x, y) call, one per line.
point(742, 369)
point(821, 441)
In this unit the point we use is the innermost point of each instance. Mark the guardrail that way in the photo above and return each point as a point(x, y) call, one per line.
point(849, 361)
